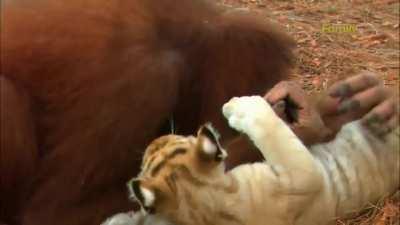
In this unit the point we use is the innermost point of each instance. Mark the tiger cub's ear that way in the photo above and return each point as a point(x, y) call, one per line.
point(141, 194)
point(209, 146)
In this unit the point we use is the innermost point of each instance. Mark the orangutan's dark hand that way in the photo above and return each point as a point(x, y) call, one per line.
point(291, 103)
point(361, 96)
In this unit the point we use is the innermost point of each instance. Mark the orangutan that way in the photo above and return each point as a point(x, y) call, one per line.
point(85, 85)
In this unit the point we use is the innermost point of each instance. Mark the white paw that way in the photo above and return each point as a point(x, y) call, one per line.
point(246, 113)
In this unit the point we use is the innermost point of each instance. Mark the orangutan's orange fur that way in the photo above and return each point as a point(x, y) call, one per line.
point(86, 84)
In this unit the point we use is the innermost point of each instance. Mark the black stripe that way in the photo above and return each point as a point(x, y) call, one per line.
point(148, 163)
point(170, 180)
point(176, 152)
point(136, 190)
point(157, 168)
point(343, 176)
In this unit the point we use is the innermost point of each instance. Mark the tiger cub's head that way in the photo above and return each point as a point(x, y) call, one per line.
point(172, 164)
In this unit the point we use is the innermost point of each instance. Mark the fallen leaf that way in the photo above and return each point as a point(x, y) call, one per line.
point(313, 43)
point(316, 62)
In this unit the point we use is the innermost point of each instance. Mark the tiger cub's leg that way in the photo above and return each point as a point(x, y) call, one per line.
point(290, 159)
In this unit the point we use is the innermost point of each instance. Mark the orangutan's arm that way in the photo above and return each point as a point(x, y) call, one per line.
point(319, 118)
point(18, 151)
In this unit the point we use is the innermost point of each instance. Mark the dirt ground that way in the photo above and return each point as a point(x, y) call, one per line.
point(335, 40)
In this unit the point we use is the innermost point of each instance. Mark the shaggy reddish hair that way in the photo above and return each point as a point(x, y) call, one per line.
point(86, 84)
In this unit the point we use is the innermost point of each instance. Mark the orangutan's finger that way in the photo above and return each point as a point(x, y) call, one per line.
point(286, 89)
point(277, 93)
point(363, 102)
point(348, 105)
point(354, 85)
point(393, 123)
point(279, 109)
point(385, 110)
point(374, 123)
point(384, 115)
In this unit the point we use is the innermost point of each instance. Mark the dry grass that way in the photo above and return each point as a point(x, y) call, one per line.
point(386, 212)
point(323, 57)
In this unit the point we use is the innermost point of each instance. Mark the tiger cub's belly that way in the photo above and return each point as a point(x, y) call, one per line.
point(358, 168)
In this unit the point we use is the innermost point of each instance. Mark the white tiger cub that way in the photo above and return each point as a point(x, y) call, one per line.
point(295, 186)
point(312, 187)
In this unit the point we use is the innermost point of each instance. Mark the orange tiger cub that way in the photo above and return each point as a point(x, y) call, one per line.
point(183, 179)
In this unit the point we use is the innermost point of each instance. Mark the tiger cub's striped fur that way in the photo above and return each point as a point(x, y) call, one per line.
point(183, 179)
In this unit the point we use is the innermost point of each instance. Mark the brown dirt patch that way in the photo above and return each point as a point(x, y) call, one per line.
point(325, 57)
